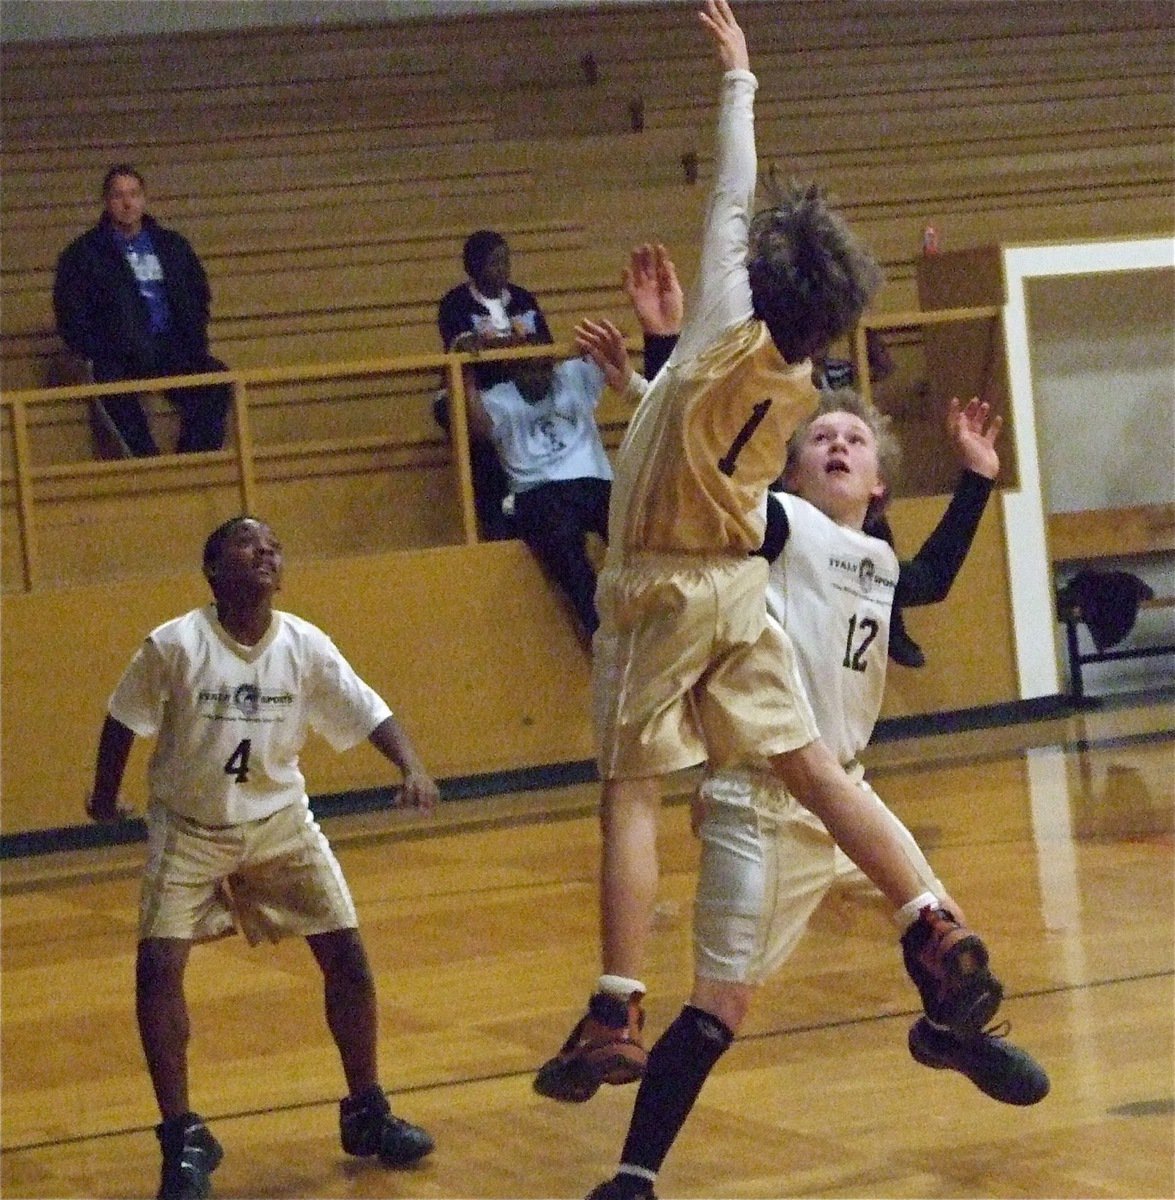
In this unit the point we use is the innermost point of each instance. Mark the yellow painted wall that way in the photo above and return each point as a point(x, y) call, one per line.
point(470, 645)
point(970, 651)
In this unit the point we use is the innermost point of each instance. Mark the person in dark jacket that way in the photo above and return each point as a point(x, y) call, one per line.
point(488, 310)
point(132, 298)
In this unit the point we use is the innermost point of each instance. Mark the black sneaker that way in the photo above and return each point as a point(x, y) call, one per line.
point(948, 964)
point(623, 1186)
point(190, 1155)
point(996, 1067)
point(368, 1128)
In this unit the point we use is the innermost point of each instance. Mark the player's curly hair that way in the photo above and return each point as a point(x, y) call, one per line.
point(811, 276)
point(889, 450)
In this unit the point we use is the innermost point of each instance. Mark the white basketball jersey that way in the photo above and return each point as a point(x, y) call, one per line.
point(832, 589)
point(230, 720)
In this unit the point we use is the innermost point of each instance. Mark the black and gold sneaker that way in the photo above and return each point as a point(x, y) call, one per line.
point(948, 964)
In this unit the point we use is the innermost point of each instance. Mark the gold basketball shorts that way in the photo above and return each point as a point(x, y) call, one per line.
point(269, 879)
point(688, 667)
point(766, 865)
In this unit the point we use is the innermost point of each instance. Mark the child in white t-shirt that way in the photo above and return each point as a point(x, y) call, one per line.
point(230, 691)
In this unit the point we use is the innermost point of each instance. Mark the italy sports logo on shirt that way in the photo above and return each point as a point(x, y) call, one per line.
point(245, 701)
point(859, 576)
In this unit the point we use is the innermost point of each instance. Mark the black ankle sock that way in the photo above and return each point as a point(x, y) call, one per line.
point(372, 1096)
point(678, 1066)
point(629, 1187)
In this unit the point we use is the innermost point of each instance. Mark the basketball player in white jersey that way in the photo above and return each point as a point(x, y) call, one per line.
point(686, 666)
point(767, 861)
point(230, 691)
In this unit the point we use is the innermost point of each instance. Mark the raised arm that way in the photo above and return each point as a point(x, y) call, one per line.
point(721, 295)
point(928, 576)
point(651, 284)
point(973, 432)
point(603, 343)
point(729, 39)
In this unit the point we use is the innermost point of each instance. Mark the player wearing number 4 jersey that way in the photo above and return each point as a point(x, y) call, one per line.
point(230, 692)
point(686, 665)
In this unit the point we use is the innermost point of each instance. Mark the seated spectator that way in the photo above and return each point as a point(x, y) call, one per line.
point(541, 421)
point(485, 312)
point(132, 298)
point(489, 311)
point(830, 374)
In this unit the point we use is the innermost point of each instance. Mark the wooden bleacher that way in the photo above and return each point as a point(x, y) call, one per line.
point(302, 162)
point(328, 177)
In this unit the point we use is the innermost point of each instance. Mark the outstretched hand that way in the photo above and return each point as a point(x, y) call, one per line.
point(651, 284)
point(603, 343)
point(728, 37)
point(973, 431)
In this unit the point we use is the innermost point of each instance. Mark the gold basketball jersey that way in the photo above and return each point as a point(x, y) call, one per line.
point(706, 440)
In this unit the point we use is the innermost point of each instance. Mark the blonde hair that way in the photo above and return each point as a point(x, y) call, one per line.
point(833, 400)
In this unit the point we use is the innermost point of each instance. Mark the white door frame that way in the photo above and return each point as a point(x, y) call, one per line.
point(1029, 570)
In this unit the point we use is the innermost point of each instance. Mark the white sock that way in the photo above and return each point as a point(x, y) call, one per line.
point(639, 1172)
point(617, 985)
point(908, 913)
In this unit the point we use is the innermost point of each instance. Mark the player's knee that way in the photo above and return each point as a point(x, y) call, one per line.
point(159, 966)
point(343, 959)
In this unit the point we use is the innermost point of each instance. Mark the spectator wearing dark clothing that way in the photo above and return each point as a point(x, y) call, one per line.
point(131, 297)
point(487, 312)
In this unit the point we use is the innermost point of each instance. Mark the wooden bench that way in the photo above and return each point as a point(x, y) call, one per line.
point(1084, 539)
point(628, 46)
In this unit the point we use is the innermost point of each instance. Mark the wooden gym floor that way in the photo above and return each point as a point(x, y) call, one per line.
point(1056, 837)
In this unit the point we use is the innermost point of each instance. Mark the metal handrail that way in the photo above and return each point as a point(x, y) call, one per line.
point(244, 455)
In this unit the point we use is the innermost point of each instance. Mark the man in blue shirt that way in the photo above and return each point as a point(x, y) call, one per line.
point(132, 298)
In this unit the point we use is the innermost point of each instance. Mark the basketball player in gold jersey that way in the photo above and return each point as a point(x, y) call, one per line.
point(687, 666)
point(767, 862)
